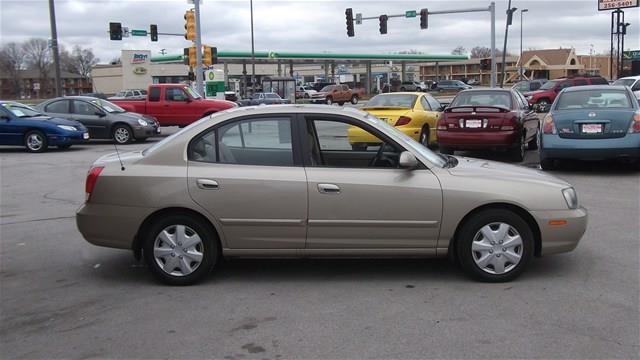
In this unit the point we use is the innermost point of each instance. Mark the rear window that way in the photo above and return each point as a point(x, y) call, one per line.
point(488, 98)
point(392, 100)
point(624, 82)
point(590, 99)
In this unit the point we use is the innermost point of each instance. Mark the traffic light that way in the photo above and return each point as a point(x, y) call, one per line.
point(190, 25)
point(154, 32)
point(424, 22)
point(191, 76)
point(192, 57)
point(185, 56)
point(383, 24)
point(115, 31)
point(209, 55)
point(349, 15)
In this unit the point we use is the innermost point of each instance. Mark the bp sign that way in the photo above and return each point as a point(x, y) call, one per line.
point(211, 75)
point(631, 55)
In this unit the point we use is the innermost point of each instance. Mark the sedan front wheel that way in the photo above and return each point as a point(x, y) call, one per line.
point(495, 245)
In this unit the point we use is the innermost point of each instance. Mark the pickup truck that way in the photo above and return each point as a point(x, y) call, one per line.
point(174, 104)
point(339, 94)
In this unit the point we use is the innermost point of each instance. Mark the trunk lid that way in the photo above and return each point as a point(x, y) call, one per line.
point(476, 118)
point(593, 124)
point(387, 114)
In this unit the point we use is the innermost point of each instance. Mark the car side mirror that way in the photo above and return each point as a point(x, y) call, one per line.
point(408, 160)
point(100, 113)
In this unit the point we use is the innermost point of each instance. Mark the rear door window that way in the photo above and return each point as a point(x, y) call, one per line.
point(154, 95)
point(58, 107)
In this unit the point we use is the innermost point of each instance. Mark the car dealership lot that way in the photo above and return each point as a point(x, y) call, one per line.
point(62, 297)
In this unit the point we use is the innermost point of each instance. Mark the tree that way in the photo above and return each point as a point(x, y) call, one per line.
point(484, 52)
point(460, 50)
point(81, 61)
point(11, 62)
point(38, 57)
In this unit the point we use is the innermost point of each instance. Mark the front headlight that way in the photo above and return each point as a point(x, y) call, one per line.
point(142, 122)
point(570, 197)
point(67, 127)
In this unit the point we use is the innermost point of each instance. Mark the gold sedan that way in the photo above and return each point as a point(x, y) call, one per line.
point(413, 113)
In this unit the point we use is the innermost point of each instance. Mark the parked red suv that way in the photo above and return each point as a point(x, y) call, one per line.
point(546, 95)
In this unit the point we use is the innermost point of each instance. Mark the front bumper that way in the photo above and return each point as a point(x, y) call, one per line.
point(68, 138)
point(146, 131)
point(479, 139)
point(560, 238)
point(555, 147)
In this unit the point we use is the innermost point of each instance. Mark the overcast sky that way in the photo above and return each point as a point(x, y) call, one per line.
point(315, 25)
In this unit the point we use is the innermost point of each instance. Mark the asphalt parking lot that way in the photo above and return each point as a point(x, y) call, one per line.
point(61, 297)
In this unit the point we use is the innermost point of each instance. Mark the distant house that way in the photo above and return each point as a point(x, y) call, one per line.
point(31, 86)
point(550, 63)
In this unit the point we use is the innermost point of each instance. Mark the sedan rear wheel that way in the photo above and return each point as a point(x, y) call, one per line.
point(517, 153)
point(424, 136)
point(35, 141)
point(495, 245)
point(180, 250)
point(354, 99)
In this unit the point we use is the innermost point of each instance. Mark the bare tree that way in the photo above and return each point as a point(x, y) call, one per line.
point(81, 61)
point(484, 52)
point(38, 57)
point(459, 50)
point(11, 62)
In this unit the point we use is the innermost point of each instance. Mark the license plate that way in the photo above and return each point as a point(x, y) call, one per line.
point(592, 128)
point(473, 124)
point(85, 136)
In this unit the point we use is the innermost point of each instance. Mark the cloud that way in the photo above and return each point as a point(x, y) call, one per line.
point(313, 25)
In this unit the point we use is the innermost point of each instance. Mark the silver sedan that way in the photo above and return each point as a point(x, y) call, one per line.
point(284, 181)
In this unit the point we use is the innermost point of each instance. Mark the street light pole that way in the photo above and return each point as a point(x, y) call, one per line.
point(521, 24)
point(253, 55)
point(54, 47)
point(199, 74)
point(510, 12)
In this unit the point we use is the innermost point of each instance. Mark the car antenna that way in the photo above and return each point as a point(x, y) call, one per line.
point(118, 153)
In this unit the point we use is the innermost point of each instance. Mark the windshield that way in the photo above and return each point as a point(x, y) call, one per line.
point(121, 93)
point(107, 106)
point(487, 98)
point(194, 94)
point(416, 146)
point(590, 99)
point(20, 110)
point(326, 88)
point(392, 100)
point(624, 82)
point(272, 96)
point(549, 85)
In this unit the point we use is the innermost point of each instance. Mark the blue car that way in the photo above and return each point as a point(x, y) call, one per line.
point(591, 123)
point(23, 125)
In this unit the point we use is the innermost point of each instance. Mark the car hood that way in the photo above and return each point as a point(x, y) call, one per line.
point(216, 101)
point(487, 170)
point(56, 120)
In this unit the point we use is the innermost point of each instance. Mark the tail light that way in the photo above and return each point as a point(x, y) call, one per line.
point(92, 177)
point(442, 124)
point(403, 120)
point(548, 127)
point(635, 124)
point(510, 125)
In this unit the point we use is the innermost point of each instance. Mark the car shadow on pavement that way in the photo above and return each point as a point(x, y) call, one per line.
point(591, 167)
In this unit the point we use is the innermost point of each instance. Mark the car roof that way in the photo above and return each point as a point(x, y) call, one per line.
point(508, 90)
point(595, 87)
point(630, 77)
point(402, 93)
point(294, 109)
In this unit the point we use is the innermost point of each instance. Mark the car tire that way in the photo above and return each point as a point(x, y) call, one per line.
point(424, 136)
point(446, 150)
point(122, 134)
point(329, 100)
point(169, 262)
point(543, 103)
point(35, 141)
point(354, 99)
point(548, 164)
point(517, 153)
point(64, 147)
point(306, 96)
point(494, 245)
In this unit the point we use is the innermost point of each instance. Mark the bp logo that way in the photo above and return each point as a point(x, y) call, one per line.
point(211, 75)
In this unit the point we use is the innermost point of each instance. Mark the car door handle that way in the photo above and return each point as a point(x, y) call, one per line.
point(207, 184)
point(328, 188)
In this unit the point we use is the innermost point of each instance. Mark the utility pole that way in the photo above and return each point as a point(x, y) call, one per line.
point(199, 84)
point(520, 60)
point(54, 47)
point(253, 55)
point(494, 66)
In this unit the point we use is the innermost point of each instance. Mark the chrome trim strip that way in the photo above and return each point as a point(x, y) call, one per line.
point(334, 253)
point(375, 223)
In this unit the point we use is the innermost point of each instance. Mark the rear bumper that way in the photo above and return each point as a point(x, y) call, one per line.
point(478, 140)
point(561, 238)
point(555, 147)
point(110, 225)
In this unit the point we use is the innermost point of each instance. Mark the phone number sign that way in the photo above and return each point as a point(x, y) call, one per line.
point(616, 4)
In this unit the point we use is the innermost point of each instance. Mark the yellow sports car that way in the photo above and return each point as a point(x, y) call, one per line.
point(413, 113)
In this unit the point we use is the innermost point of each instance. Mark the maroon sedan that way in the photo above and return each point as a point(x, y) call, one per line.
point(488, 119)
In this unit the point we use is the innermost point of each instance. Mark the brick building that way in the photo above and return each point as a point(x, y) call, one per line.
point(31, 86)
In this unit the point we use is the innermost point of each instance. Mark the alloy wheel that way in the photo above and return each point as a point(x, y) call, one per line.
point(122, 135)
point(35, 142)
point(497, 248)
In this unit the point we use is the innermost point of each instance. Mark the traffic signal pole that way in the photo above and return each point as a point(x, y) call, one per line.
point(54, 48)
point(199, 74)
point(491, 8)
